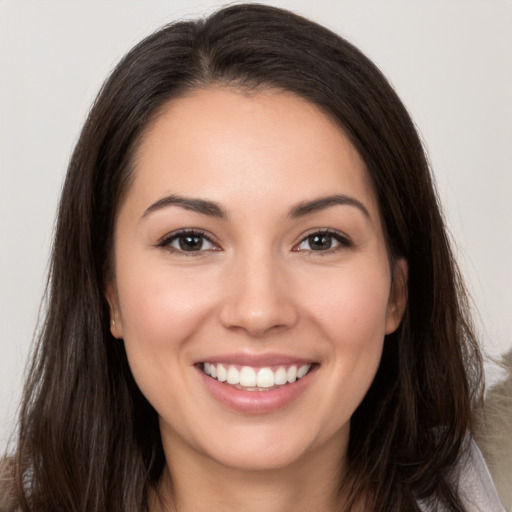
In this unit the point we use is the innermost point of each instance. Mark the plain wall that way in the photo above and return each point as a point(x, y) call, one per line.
point(450, 61)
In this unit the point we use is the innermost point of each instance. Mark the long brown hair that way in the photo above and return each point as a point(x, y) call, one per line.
point(88, 439)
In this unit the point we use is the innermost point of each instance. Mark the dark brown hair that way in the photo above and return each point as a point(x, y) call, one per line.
point(88, 439)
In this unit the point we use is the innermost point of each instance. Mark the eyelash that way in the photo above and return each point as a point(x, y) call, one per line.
point(343, 241)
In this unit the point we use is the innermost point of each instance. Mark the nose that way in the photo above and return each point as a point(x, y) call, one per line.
point(258, 299)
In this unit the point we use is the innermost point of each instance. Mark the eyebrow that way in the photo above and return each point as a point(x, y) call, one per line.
point(193, 204)
point(212, 209)
point(316, 205)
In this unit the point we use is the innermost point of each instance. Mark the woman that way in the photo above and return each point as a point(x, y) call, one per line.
point(253, 304)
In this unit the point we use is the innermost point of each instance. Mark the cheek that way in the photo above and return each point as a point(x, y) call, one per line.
point(352, 307)
point(160, 309)
point(353, 320)
point(161, 312)
point(348, 310)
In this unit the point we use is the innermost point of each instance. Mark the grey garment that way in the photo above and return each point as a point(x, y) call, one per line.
point(475, 485)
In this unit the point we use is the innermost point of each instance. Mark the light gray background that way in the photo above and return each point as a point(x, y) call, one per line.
point(450, 61)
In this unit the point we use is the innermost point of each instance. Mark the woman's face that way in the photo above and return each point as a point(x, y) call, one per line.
point(253, 287)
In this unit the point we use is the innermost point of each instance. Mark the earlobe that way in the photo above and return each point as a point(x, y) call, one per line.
point(116, 326)
point(398, 296)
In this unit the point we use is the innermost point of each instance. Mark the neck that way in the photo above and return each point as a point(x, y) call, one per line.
point(200, 484)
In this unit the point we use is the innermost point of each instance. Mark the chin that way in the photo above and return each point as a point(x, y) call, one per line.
point(258, 451)
point(270, 460)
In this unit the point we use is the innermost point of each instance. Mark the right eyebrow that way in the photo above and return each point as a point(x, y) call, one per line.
point(197, 205)
point(323, 203)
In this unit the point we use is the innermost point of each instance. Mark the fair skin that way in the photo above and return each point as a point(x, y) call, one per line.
point(251, 237)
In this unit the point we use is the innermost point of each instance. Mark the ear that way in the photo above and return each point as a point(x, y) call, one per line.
point(398, 295)
point(116, 323)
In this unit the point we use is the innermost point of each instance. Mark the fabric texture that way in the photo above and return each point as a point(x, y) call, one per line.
point(493, 431)
point(475, 485)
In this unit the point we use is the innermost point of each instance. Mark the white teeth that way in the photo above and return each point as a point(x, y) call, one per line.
point(247, 377)
point(265, 378)
point(233, 376)
point(222, 374)
point(291, 374)
point(302, 371)
point(255, 379)
point(280, 377)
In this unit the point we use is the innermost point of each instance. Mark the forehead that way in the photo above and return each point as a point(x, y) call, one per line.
point(220, 143)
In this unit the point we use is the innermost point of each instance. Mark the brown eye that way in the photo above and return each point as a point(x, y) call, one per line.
point(188, 241)
point(320, 242)
point(323, 241)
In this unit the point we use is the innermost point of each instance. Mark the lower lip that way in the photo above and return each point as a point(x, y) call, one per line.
point(256, 402)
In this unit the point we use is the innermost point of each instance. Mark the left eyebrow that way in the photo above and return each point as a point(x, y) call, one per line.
point(188, 203)
point(316, 205)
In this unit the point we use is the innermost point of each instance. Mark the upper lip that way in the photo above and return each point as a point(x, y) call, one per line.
point(255, 360)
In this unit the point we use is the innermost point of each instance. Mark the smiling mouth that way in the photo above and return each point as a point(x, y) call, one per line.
point(248, 378)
